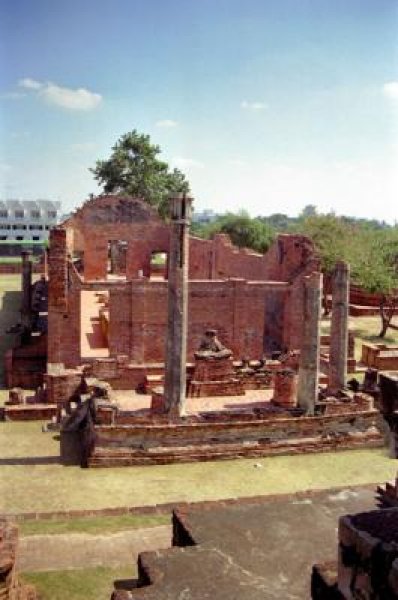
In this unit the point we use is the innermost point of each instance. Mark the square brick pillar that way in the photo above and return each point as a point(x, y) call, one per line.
point(177, 319)
point(26, 288)
point(307, 392)
point(57, 296)
point(339, 327)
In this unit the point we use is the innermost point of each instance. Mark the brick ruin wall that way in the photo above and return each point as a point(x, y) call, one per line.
point(128, 443)
point(254, 301)
point(251, 318)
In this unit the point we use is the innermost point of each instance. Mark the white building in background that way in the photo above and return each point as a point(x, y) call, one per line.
point(30, 220)
point(204, 216)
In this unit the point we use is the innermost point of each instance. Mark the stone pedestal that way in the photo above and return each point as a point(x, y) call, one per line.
point(285, 391)
point(15, 397)
point(214, 377)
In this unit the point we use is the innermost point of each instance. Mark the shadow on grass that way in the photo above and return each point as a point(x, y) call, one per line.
point(31, 460)
point(375, 339)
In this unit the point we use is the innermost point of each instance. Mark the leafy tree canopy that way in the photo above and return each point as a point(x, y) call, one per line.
point(372, 251)
point(135, 169)
point(243, 230)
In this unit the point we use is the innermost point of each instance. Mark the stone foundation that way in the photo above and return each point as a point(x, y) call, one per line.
point(264, 432)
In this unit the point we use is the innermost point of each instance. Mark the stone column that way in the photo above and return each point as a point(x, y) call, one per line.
point(309, 354)
point(177, 320)
point(26, 287)
point(339, 327)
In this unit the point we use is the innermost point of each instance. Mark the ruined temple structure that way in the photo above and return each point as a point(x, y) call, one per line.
point(108, 269)
point(130, 297)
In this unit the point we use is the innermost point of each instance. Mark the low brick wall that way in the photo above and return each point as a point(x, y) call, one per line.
point(161, 442)
point(29, 412)
point(380, 356)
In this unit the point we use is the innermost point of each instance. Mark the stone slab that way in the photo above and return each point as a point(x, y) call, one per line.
point(248, 551)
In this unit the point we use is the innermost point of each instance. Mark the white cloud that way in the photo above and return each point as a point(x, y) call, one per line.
point(186, 163)
point(80, 99)
point(30, 84)
point(71, 99)
point(167, 123)
point(254, 106)
point(390, 90)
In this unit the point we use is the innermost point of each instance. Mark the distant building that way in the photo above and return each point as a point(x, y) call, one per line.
point(204, 216)
point(27, 220)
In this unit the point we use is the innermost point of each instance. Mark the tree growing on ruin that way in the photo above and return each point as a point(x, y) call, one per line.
point(134, 168)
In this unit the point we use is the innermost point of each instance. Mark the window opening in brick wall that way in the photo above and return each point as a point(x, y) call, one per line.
point(158, 265)
point(117, 254)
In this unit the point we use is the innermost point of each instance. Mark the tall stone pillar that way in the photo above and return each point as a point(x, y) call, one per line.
point(26, 287)
point(309, 355)
point(177, 320)
point(339, 327)
point(57, 298)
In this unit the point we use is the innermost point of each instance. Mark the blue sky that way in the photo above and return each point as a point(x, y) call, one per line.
point(264, 105)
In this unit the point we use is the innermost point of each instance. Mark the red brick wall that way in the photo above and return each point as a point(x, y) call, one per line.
point(107, 218)
point(63, 304)
point(236, 308)
point(260, 307)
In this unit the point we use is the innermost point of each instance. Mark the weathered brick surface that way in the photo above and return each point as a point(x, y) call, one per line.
point(30, 412)
point(285, 388)
point(222, 436)
point(10, 586)
point(368, 555)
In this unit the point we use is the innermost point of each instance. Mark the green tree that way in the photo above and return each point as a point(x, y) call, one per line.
point(332, 239)
point(135, 169)
point(375, 269)
point(370, 249)
point(244, 231)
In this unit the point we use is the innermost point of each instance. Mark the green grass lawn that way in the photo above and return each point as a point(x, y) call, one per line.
point(92, 525)
point(52, 487)
point(366, 329)
point(82, 584)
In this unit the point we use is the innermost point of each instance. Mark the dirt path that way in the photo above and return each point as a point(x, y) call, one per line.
point(81, 550)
